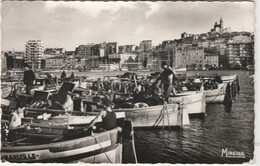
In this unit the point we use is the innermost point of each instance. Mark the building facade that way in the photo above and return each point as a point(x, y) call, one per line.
point(125, 49)
point(240, 52)
point(188, 57)
point(34, 53)
point(211, 58)
point(146, 45)
point(111, 48)
point(14, 59)
point(57, 62)
point(84, 50)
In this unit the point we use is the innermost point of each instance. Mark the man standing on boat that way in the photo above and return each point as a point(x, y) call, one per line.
point(28, 79)
point(166, 80)
point(63, 75)
point(108, 116)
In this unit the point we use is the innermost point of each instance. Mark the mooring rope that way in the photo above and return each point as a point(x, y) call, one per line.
point(220, 90)
point(159, 119)
point(101, 148)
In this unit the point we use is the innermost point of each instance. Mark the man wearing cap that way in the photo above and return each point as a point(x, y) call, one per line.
point(28, 79)
point(167, 80)
point(108, 116)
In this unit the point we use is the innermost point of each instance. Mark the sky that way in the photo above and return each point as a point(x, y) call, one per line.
point(70, 24)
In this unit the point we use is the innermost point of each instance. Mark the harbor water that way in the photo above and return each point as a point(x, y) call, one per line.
point(206, 137)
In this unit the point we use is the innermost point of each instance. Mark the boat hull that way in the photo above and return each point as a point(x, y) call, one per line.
point(216, 95)
point(156, 116)
point(97, 148)
point(194, 102)
point(229, 78)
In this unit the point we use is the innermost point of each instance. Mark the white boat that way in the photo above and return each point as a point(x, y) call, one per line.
point(157, 116)
point(194, 102)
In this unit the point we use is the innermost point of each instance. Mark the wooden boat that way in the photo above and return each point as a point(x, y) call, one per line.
point(101, 147)
point(157, 116)
point(5, 90)
point(195, 102)
point(229, 78)
point(97, 148)
point(216, 95)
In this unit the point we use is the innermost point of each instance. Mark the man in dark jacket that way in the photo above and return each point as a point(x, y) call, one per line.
point(28, 79)
point(166, 78)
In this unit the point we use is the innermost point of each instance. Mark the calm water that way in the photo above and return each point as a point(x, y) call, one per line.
point(203, 140)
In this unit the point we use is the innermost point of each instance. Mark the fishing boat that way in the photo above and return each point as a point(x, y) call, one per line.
point(157, 116)
point(6, 89)
point(229, 78)
point(97, 148)
point(216, 95)
point(62, 139)
point(194, 101)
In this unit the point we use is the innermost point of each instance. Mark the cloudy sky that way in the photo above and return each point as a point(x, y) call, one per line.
point(69, 24)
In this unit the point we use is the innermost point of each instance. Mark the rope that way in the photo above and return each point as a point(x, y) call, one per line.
point(133, 144)
point(168, 116)
point(102, 148)
point(217, 94)
point(161, 116)
point(159, 119)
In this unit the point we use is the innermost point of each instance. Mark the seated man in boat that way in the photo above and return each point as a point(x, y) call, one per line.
point(15, 122)
point(108, 116)
point(218, 79)
point(138, 95)
point(68, 105)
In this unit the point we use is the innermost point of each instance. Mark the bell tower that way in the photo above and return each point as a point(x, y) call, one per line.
point(221, 24)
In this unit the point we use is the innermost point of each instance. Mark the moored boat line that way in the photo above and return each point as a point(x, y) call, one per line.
point(55, 148)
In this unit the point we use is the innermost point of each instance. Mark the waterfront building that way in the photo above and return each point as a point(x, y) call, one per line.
point(189, 57)
point(84, 50)
point(57, 62)
point(223, 60)
point(145, 46)
point(93, 62)
point(122, 59)
point(211, 58)
point(14, 59)
point(240, 51)
point(34, 53)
